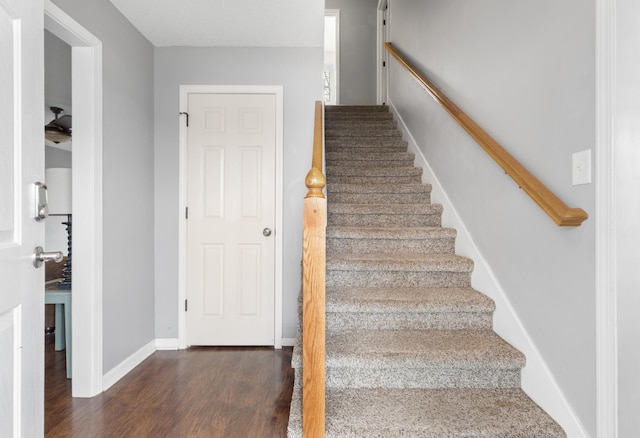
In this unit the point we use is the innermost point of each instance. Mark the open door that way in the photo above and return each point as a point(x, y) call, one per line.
point(21, 166)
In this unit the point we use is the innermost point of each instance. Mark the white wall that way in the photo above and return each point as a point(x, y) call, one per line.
point(299, 71)
point(128, 300)
point(526, 73)
point(357, 50)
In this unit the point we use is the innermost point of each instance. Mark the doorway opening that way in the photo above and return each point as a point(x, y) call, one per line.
point(86, 67)
point(383, 35)
point(331, 71)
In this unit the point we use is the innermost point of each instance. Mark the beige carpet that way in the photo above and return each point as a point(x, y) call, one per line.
point(410, 346)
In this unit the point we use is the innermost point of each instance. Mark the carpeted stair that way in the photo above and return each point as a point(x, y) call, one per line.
point(410, 346)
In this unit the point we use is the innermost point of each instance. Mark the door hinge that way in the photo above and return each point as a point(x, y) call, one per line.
point(384, 22)
point(186, 212)
point(185, 305)
point(186, 114)
point(384, 63)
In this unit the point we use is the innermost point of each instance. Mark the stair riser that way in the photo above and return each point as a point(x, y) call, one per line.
point(336, 167)
point(344, 278)
point(437, 377)
point(379, 198)
point(390, 246)
point(377, 160)
point(360, 125)
point(381, 220)
point(350, 155)
point(373, 170)
point(380, 133)
point(373, 120)
point(366, 149)
point(395, 180)
point(343, 321)
point(330, 116)
point(356, 109)
point(429, 413)
point(364, 141)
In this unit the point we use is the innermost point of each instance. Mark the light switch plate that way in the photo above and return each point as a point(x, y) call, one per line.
point(581, 168)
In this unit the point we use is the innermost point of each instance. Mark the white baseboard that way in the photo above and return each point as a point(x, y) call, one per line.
point(167, 343)
point(537, 380)
point(124, 367)
point(288, 342)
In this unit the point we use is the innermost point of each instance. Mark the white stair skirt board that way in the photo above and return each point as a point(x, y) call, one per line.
point(124, 367)
point(537, 380)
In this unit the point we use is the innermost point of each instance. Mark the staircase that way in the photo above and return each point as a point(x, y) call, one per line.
point(410, 346)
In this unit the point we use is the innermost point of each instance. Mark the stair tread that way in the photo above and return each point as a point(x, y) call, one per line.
point(356, 108)
point(412, 300)
point(431, 413)
point(399, 262)
point(360, 125)
point(378, 188)
point(357, 143)
point(370, 133)
point(393, 156)
point(367, 171)
point(346, 232)
point(421, 349)
point(393, 209)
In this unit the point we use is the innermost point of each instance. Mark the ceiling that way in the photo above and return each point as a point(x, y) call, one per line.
point(237, 23)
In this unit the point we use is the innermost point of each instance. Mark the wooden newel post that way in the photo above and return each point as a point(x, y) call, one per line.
point(315, 182)
point(314, 261)
point(313, 314)
point(313, 304)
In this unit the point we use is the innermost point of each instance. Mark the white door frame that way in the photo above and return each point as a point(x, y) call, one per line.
point(381, 53)
point(87, 199)
point(185, 90)
point(617, 129)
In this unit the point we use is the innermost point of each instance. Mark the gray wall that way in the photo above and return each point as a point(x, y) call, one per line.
point(525, 72)
point(57, 75)
point(298, 70)
point(128, 299)
point(54, 157)
point(357, 50)
point(55, 234)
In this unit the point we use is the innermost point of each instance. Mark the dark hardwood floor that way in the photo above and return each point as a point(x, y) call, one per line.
point(200, 392)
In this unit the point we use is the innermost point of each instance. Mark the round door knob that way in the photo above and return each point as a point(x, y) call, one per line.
point(266, 232)
point(40, 257)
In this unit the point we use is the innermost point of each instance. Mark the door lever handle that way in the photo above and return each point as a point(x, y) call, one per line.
point(40, 257)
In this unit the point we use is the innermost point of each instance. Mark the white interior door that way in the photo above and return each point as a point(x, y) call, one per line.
point(231, 150)
point(21, 165)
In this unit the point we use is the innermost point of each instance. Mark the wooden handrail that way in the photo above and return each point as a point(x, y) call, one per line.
point(313, 291)
point(557, 210)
